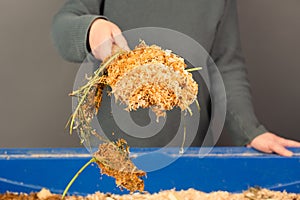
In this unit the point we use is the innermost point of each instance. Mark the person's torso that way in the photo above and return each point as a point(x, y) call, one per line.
point(197, 19)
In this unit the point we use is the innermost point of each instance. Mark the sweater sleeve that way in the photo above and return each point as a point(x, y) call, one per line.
point(70, 28)
point(241, 122)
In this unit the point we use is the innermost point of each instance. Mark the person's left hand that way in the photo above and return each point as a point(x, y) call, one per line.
point(103, 36)
point(271, 143)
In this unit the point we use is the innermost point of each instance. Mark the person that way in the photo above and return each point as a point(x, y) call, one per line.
point(81, 26)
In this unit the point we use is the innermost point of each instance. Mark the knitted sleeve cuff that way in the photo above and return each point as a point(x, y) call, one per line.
point(254, 133)
point(80, 34)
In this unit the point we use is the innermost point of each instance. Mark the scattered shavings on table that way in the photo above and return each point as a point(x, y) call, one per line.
point(190, 194)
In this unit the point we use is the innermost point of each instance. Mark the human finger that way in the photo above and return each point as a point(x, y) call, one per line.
point(104, 49)
point(281, 150)
point(289, 143)
point(121, 42)
point(119, 39)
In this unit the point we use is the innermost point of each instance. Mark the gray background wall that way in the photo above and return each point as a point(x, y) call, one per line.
point(35, 81)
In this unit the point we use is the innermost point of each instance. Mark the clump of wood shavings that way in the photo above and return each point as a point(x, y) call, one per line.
point(190, 194)
point(151, 77)
point(144, 77)
point(113, 160)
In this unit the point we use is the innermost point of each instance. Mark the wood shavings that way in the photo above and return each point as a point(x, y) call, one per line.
point(151, 77)
point(146, 77)
point(190, 194)
point(113, 160)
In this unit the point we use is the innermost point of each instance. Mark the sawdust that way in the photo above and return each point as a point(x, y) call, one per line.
point(190, 194)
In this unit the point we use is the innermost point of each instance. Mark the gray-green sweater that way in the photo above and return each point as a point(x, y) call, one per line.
point(212, 23)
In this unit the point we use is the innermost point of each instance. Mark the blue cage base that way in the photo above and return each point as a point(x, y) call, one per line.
point(227, 169)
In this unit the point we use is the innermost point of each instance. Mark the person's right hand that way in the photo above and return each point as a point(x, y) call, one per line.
point(103, 34)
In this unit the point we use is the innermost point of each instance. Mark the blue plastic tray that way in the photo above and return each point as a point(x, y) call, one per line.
point(228, 169)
